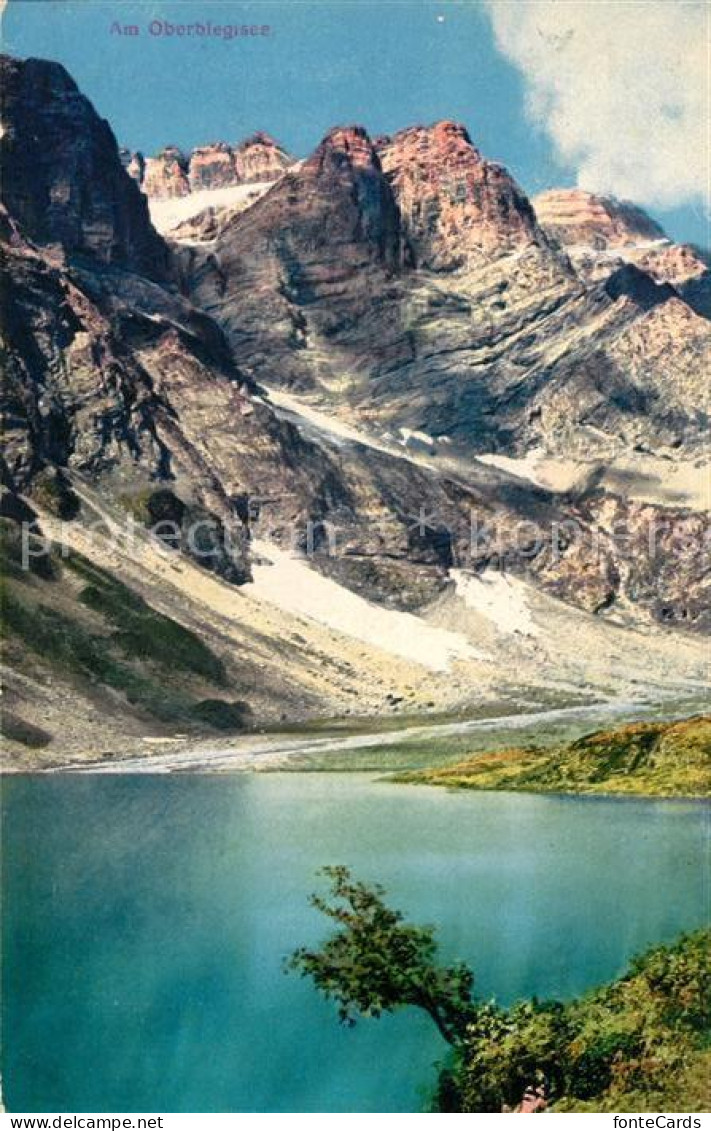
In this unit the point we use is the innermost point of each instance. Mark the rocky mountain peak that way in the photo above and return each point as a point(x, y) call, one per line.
point(575, 217)
point(345, 146)
point(166, 175)
point(63, 179)
point(260, 158)
point(172, 173)
point(454, 203)
point(600, 233)
point(211, 166)
point(351, 201)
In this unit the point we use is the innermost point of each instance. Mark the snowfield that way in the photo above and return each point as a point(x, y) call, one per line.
point(167, 214)
point(291, 584)
point(502, 599)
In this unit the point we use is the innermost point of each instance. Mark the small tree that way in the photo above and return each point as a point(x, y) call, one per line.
point(376, 963)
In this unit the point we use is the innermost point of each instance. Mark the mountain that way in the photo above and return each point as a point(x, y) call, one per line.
point(172, 173)
point(169, 388)
point(454, 204)
point(408, 284)
point(599, 234)
point(578, 218)
point(61, 181)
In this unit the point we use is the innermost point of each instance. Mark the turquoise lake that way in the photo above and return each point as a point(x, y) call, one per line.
point(146, 920)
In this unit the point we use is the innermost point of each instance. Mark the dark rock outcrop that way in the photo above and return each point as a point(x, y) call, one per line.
point(212, 166)
point(63, 181)
point(629, 281)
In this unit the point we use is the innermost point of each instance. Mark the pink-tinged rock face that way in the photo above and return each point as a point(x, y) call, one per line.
point(454, 203)
point(260, 158)
point(166, 175)
point(575, 217)
point(212, 166)
point(674, 263)
point(599, 233)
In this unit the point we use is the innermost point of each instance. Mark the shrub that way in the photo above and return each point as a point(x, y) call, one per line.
point(18, 730)
point(220, 714)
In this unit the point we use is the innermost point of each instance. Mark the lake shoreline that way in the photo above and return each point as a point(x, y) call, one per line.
point(606, 795)
point(281, 750)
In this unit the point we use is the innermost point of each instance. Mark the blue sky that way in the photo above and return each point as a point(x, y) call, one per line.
point(385, 65)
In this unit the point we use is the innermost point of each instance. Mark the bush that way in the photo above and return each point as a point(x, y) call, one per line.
point(18, 730)
point(623, 1047)
point(639, 1044)
point(220, 714)
point(52, 491)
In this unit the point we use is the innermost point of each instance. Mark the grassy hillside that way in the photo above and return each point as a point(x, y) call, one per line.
point(664, 759)
point(75, 631)
point(641, 1043)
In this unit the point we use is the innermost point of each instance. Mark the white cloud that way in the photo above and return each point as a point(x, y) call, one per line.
point(621, 88)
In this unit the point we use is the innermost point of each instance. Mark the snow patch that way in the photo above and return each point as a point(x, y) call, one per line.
point(616, 251)
point(410, 434)
point(167, 214)
point(327, 425)
point(503, 600)
point(291, 584)
point(525, 467)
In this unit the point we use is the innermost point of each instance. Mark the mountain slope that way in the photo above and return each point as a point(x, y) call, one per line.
point(599, 234)
point(407, 283)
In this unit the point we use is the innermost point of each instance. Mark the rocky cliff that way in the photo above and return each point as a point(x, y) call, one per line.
point(172, 173)
point(455, 206)
point(575, 217)
point(212, 166)
point(601, 233)
point(409, 283)
point(164, 176)
point(314, 259)
point(260, 158)
point(63, 181)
